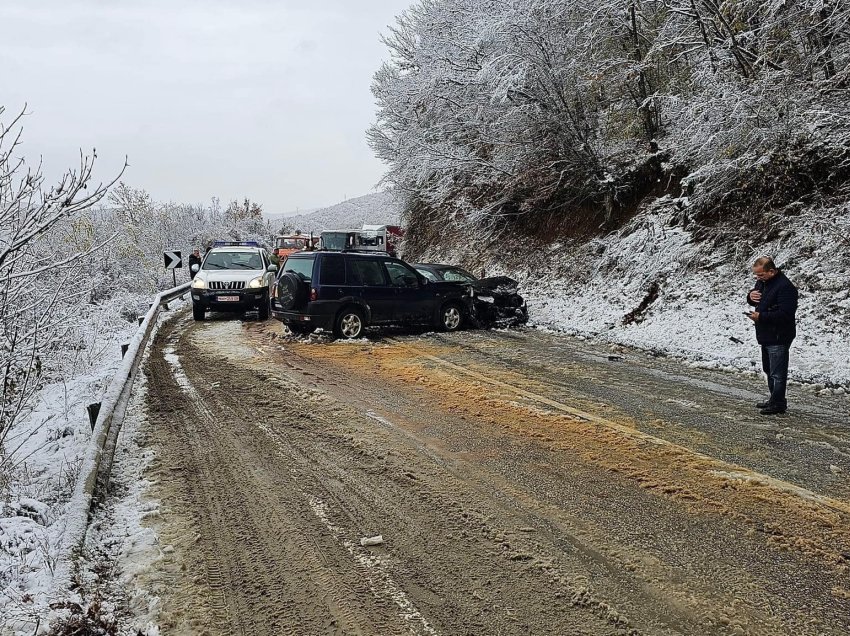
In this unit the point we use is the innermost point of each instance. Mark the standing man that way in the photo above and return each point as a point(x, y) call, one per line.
point(775, 300)
point(194, 259)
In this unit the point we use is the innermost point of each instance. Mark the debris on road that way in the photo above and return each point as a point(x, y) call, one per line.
point(372, 541)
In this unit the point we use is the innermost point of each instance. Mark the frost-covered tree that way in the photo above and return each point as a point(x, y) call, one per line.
point(37, 285)
point(244, 211)
point(145, 228)
point(511, 113)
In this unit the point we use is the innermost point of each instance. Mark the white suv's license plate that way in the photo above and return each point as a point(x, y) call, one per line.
point(227, 299)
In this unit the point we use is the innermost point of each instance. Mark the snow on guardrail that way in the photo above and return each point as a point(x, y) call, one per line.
point(111, 413)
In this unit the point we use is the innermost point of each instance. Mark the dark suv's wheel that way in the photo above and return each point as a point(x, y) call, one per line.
point(349, 323)
point(451, 317)
point(291, 291)
point(197, 312)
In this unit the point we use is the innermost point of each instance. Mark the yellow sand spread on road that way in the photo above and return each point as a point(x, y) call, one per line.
point(788, 516)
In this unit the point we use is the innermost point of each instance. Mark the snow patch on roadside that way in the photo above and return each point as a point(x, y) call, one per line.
point(48, 449)
point(118, 536)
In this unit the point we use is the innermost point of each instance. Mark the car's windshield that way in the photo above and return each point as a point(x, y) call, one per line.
point(301, 266)
point(428, 274)
point(233, 260)
point(458, 274)
point(292, 243)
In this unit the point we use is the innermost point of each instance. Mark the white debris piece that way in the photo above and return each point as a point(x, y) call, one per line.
point(369, 541)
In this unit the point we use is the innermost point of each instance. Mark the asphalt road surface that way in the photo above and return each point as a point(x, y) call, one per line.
point(523, 483)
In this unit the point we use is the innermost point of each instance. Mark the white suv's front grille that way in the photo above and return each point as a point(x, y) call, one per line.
point(227, 284)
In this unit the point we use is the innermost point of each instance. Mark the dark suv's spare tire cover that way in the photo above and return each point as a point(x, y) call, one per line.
point(291, 291)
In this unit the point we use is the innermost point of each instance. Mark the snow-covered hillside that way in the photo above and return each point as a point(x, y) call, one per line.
point(654, 286)
point(379, 208)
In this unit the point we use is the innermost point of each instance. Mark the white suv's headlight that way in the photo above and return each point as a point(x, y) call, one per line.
point(199, 283)
point(256, 283)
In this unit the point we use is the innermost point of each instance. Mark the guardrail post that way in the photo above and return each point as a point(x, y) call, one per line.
point(165, 306)
point(94, 411)
point(124, 347)
point(141, 320)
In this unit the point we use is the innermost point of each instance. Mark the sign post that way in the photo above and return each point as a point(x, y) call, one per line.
point(173, 260)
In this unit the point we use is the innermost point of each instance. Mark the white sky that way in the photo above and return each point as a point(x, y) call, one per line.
point(266, 99)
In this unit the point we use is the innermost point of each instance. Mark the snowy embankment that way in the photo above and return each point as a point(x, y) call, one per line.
point(45, 451)
point(695, 298)
point(654, 287)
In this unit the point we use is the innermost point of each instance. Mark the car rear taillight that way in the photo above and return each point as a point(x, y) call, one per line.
point(314, 295)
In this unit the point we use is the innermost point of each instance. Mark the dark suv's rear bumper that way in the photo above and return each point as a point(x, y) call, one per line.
point(316, 315)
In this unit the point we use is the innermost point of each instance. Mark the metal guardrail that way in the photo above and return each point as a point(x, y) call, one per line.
point(97, 463)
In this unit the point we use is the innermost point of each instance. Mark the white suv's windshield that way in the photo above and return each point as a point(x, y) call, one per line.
point(233, 260)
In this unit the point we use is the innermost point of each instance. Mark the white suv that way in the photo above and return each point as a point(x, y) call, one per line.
point(233, 277)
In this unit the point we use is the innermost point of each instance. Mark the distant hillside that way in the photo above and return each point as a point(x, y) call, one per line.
point(379, 208)
point(280, 217)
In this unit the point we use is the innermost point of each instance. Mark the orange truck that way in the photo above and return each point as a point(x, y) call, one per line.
point(286, 244)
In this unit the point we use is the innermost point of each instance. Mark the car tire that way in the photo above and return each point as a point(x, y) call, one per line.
point(263, 309)
point(291, 291)
point(451, 317)
point(349, 324)
point(198, 312)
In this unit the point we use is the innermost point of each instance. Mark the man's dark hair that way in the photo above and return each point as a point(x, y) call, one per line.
point(766, 263)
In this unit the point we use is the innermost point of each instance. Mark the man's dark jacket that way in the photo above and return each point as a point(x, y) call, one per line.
point(194, 260)
point(776, 324)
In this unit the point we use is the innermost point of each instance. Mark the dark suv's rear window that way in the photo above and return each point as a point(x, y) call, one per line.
point(332, 269)
point(302, 265)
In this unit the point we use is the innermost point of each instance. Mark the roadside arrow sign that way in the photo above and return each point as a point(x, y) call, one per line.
point(173, 260)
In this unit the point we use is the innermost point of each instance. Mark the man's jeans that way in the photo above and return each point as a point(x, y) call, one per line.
point(774, 361)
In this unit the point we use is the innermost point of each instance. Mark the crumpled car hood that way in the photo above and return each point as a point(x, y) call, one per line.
point(496, 285)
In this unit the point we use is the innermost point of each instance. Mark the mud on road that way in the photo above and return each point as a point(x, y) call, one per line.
point(523, 483)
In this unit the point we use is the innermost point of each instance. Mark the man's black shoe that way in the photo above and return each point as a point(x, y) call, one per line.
point(773, 410)
point(762, 405)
